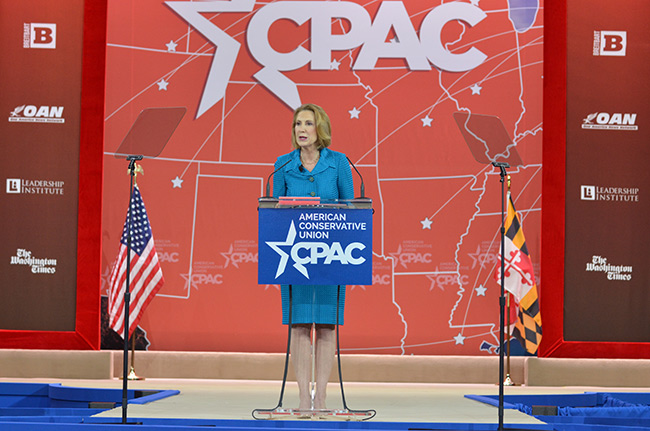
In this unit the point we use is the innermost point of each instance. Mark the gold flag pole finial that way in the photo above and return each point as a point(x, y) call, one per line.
point(138, 170)
point(508, 182)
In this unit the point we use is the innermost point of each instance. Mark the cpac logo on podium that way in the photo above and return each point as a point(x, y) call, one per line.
point(305, 253)
point(418, 49)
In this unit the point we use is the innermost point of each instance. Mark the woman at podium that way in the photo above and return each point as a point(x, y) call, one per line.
point(312, 169)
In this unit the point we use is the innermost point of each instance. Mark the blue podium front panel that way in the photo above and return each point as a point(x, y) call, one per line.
point(314, 245)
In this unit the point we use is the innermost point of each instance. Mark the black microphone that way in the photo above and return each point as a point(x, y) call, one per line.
point(301, 169)
point(362, 188)
point(268, 184)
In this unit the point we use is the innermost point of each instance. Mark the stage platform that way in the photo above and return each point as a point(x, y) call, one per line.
point(213, 403)
point(527, 371)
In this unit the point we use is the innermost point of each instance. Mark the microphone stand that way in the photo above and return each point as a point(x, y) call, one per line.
point(127, 293)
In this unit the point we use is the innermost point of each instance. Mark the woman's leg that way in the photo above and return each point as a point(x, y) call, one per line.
point(325, 349)
point(301, 360)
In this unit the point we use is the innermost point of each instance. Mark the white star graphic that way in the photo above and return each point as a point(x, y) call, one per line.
point(354, 113)
point(480, 291)
point(227, 256)
point(284, 257)
point(426, 223)
point(474, 2)
point(335, 64)
point(432, 278)
point(186, 277)
point(162, 85)
point(460, 339)
point(476, 89)
point(426, 121)
point(226, 47)
point(171, 46)
point(177, 182)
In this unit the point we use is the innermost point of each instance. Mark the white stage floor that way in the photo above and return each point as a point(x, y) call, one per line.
point(235, 399)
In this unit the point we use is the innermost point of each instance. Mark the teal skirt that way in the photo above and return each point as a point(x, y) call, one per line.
point(312, 304)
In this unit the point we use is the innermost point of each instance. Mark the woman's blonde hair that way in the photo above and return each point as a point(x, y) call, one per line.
point(323, 125)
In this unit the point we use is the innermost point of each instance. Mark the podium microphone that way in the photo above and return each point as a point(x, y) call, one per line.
point(362, 188)
point(268, 184)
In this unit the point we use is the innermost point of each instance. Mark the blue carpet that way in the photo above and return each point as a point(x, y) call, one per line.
point(590, 411)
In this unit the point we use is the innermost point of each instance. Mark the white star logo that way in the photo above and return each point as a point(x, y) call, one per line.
point(476, 89)
point(426, 121)
point(474, 2)
point(171, 46)
point(284, 257)
point(226, 47)
point(460, 339)
point(335, 64)
point(188, 283)
point(177, 182)
point(227, 256)
point(354, 113)
point(162, 85)
point(426, 223)
point(480, 291)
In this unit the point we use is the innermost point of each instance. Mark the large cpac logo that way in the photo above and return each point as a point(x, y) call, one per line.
point(419, 52)
point(315, 251)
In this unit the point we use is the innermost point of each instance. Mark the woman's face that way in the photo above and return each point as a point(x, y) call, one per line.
point(305, 129)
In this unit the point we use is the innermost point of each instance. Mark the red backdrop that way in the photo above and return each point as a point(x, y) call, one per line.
point(390, 86)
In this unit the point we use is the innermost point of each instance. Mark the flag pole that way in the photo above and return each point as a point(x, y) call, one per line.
point(508, 381)
point(132, 375)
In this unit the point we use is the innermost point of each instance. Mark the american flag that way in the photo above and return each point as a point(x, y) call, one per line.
point(146, 276)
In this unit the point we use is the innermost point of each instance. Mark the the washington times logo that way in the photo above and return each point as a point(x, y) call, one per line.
point(36, 265)
point(609, 194)
point(612, 272)
point(610, 43)
point(607, 121)
point(39, 35)
point(37, 114)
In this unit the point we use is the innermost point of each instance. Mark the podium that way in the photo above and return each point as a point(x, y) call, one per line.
point(306, 240)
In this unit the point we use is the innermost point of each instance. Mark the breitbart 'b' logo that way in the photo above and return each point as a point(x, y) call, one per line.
point(610, 43)
point(39, 35)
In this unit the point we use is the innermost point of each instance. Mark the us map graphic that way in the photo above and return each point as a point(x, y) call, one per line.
point(390, 75)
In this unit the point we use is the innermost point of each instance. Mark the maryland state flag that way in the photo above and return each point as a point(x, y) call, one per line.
point(520, 282)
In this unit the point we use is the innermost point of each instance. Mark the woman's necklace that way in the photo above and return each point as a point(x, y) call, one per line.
point(309, 164)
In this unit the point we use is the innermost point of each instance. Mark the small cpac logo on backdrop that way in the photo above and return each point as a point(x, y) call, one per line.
point(610, 43)
point(39, 35)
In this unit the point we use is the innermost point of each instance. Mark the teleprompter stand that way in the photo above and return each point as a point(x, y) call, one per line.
point(490, 144)
point(280, 412)
point(147, 137)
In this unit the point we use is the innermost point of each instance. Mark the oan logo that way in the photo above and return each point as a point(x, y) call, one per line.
point(39, 35)
point(419, 49)
point(607, 121)
point(313, 253)
point(37, 114)
point(610, 43)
